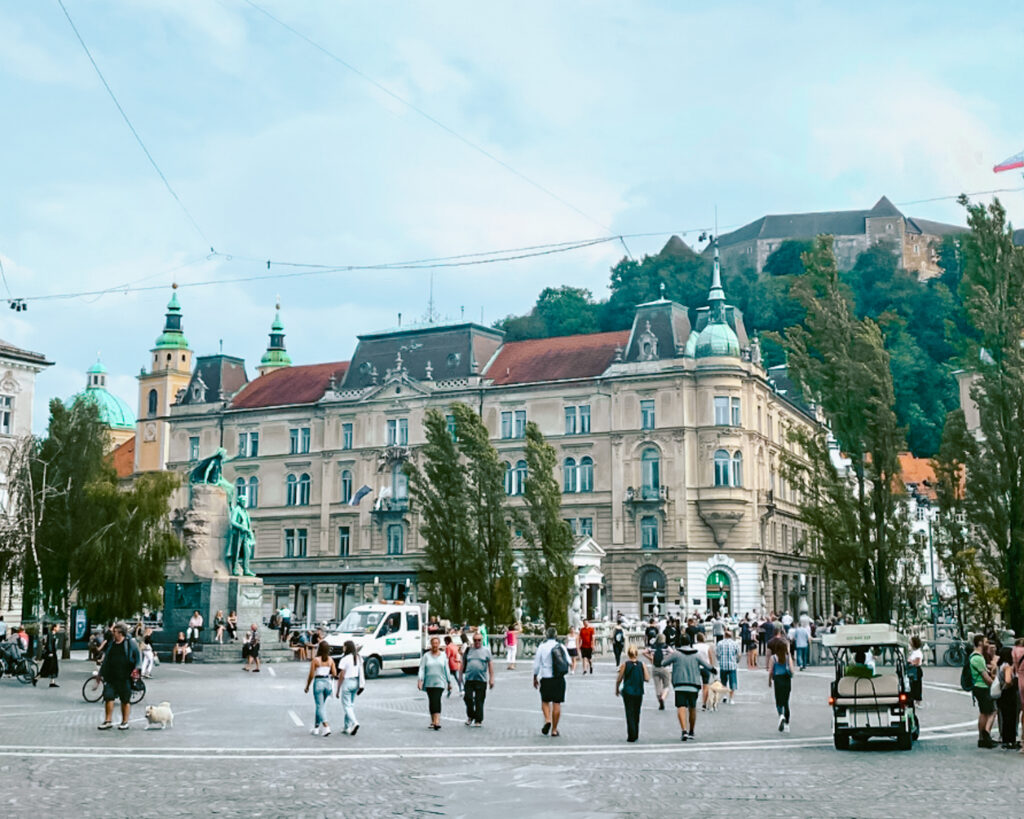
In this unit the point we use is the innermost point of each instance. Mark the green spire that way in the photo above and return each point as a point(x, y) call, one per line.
point(276, 354)
point(717, 338)
point(172, 337)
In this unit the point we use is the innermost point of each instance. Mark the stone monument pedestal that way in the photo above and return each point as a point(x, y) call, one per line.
point(201, 582)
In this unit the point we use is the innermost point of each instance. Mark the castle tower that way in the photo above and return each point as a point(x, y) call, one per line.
point(276, 355)
point(169, 373)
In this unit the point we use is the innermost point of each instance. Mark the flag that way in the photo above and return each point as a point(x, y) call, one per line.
point(358, 496)
point(1008, 164)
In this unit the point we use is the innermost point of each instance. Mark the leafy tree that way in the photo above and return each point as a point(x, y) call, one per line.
point(550, 573)
point(842, 365)
point(440, 489)
point(787, 258)
point(559, 311)
point(992, 292)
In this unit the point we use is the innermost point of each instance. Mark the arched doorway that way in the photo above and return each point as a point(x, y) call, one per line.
point(653, 587)
point(719, 592)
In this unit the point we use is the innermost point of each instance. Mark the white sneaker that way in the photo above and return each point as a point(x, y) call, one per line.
point(327, 732)
point(786, 727)
point(782, 722)
point(315, 732)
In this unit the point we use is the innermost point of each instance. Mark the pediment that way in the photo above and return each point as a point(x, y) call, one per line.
point(588, 547)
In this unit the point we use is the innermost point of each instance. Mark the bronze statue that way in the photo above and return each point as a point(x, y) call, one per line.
point(239, 547)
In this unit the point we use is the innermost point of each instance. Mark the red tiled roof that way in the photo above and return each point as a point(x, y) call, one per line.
point(918, 471)
point(554, 359)
point(123, 458)
point(289, 385)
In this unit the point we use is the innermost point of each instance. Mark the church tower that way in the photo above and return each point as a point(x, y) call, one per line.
point(276, 355)
point(169, 373)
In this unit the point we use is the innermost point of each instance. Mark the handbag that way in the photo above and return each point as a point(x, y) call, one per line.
point(996, 689)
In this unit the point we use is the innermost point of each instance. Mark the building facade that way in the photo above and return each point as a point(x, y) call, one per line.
point(670, 440)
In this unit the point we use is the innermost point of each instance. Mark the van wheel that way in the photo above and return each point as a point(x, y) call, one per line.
point(411, 671)
point(904, 742)
point(372, 668)
point(842, 741)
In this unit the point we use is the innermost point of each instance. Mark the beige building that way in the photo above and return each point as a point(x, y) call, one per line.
point(669, 442)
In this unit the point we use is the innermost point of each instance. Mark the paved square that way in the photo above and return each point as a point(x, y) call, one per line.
point(240, 745)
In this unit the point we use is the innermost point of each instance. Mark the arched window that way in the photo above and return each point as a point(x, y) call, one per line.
point(292, 494)
point(152, 399)
point(569, 475)
point(651, 467)
point(254, 492)
point(304, 489)
point(399, 483)
point(346, 486)
point(721, 468)
point(509, 485)
point(240, 492)
point(586, 474)
point(737, 468)
point(520, 481)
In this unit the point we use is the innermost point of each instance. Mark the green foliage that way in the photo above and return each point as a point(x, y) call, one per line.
point(843, 366)
point(787, 259)
point(559, 311)
point(550, 573)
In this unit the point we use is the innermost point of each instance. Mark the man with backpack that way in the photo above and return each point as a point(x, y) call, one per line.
point(662, 678)
point(618, 643)
point(550, 665)
point(975, 677)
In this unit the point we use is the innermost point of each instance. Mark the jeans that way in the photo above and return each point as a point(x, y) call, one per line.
point(349, 687)
point(476, 692)
point(783, 684)
point(632, 703)
point(803, 656)
point(321, 691)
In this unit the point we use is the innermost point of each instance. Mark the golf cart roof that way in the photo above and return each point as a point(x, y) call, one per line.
point(866, 634)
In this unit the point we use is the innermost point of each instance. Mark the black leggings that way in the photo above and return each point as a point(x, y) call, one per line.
point(434, 699)
point(783, 684)
point(1008, 716)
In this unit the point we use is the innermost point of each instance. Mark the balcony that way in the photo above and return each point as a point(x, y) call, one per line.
point(721, 508)
point(390, 509)
point(645, 498)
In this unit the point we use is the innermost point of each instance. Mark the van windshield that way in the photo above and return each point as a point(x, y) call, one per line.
point(360, 622)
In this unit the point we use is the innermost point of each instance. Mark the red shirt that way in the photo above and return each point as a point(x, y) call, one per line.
point(454, 658)
point(587, 637)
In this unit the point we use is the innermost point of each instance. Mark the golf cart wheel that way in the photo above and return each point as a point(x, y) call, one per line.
point(904, 742)
point(28, 672)
point(372, 668)
point(92, 689)
point(842, 741)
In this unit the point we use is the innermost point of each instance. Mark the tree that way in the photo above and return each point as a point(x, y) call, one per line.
point(992, 292)
point(440, 490)
point(559, 311)
point(787, 258)
point(842, 365)
point(550, 572)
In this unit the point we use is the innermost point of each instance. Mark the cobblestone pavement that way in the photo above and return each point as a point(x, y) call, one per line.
point(240, 745)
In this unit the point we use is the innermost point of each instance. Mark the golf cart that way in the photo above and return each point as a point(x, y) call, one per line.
point(868, 703)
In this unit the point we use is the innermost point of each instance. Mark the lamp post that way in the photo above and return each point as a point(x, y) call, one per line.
point(376, 589)
point(931, 572)
point(654, 602)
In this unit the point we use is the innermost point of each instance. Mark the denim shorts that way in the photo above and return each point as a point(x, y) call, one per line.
point(728, 678)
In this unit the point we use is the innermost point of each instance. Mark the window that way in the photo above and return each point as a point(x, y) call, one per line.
point(344, 540)
point(295, 542)
point(398, 432)
point(399, 483)
point(584, 418)
point(254, 444)
point(151, 400)
point(570, 420)
point(759, 427)
point(292, 490)
point(647, 414)
point(346, 486)
point(577, 420)
point(735, 405)
point(586, 474)
point(587, 527)
point(649, 532)
point(293, 441)
point(302, 495)
point(520, 478)
point(248, 444)
point(193, 448)
point(506, 425)
point(509, 481)
point(569, 475)
point(721, 468)
point(737, 468)
point(721, 410)
point(650, 463)
point(304, 440)
point(346, 436)
point(450, 422)
point(253, 499)
point(6, 413)
point(396, 539)
point(520, 424)
point(240, 491)
point(243, 444)
point(574, 525)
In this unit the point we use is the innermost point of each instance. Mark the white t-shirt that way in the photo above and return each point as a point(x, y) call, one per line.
point(351, 669)
point(916, 654)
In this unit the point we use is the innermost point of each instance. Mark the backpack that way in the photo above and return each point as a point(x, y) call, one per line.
point(559, 661)
point(966, 677)
point(619, 636)
point(659, 655)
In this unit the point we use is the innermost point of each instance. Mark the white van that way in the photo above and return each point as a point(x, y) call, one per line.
point(388, 636)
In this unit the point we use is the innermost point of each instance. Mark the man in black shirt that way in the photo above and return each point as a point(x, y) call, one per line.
point(651, 634)
point(121, 661)
point(672, 633)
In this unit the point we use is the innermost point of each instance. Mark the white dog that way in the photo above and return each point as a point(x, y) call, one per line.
point(160, 715)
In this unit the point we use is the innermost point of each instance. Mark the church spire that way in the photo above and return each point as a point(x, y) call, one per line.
point(276, 355)
point(172, 337)
point(716, 296)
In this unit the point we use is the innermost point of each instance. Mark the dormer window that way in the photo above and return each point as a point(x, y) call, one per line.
point(648, 344)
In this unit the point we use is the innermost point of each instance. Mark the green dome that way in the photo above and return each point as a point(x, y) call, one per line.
point(717, 340)
point(114, 411)
point(172, 338)
point(691, 346)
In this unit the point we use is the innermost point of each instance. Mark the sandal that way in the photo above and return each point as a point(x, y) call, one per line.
point(555, 734)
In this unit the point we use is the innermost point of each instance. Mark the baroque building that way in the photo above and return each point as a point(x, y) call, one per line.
point(669, 436)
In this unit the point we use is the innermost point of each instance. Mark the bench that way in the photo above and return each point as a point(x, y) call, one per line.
point(862, 691)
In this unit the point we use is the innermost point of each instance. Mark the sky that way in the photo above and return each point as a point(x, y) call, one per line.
point(609, 118)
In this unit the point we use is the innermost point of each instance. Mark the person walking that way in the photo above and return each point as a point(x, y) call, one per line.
point(981, 679)
point(727, 653)
point(350, 684)
point(706, 652)
point(148, 654)
point(686, 667)
point(121, 663)
point(434, 677)
point(662, 677)
point(477, 677)
point(630, 683)
point(453, 654)
point(511, 644)
point(780, 675)
point(587, 647)
point(749, 644)
point(1017, 658)
point(550, 665)
point(321, 672)
point(1008, 701)
point(571, 645)
point(50, 667)
point(251, 649)
point(618, 643)
point(915, 670)
point(802, 645)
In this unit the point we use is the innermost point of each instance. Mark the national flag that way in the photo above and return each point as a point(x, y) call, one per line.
point(358, 496)
point(1015, 161)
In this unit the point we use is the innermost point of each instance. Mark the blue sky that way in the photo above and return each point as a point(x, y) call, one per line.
point(644, 115)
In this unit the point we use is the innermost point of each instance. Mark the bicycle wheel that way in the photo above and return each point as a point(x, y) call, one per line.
point(92, 689)
point(28, 671)
point(138, 693)
point(954, 655)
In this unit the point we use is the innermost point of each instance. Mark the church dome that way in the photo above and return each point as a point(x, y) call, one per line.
point(691, 346)
point(114, 412)
point(717, 339)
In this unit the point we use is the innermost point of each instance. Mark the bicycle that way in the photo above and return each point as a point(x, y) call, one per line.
point(13, 662)
point(92, 689)
point(956, 654)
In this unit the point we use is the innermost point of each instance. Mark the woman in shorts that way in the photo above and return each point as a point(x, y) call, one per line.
point(571, 647)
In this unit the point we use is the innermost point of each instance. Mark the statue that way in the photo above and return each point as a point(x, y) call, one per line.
point(240, 541)
point(211, 470)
